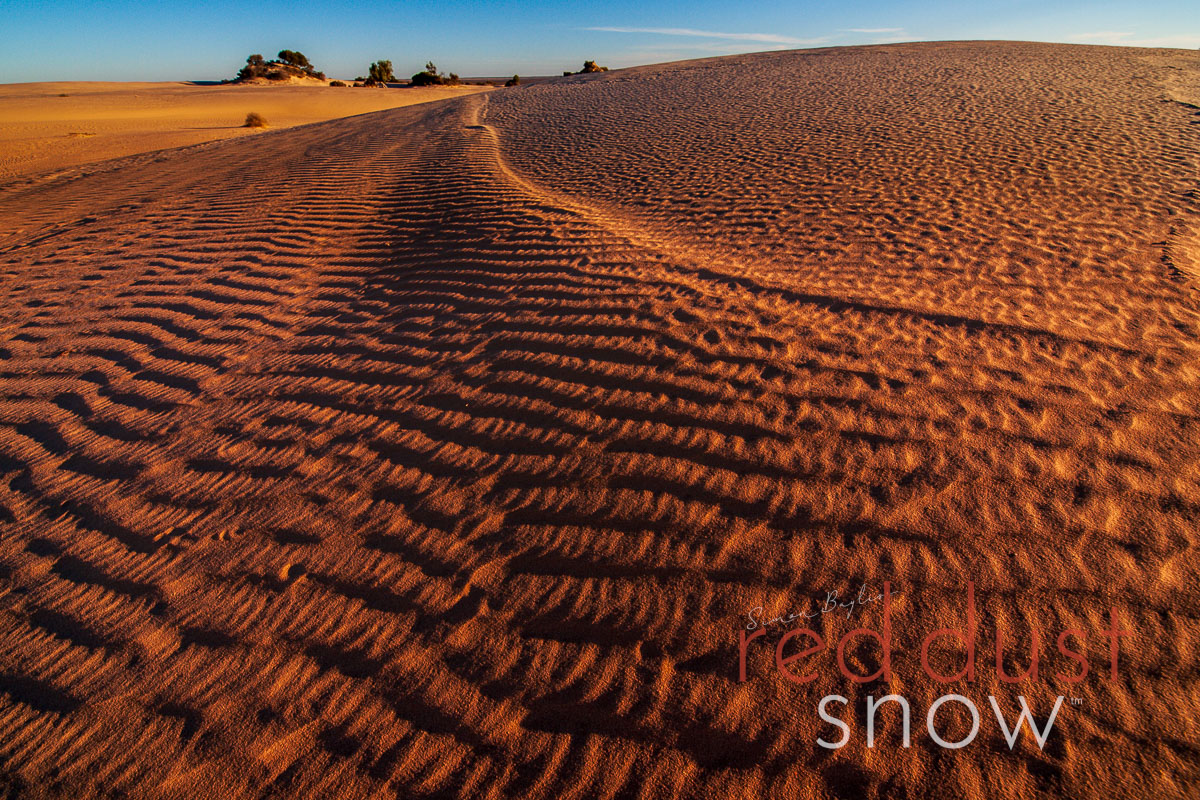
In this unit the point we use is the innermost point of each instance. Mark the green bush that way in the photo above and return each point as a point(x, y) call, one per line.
point(381, 71)
point(337, 83)
point(254, 67)
point(515, 80)
point(431, 77)
point(294, 58)
point(289, 64)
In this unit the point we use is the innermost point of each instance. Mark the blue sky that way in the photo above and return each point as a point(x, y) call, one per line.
point(121, 40)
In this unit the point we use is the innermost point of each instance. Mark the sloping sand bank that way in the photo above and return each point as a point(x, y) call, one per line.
point(47, 127)
point(442, 452)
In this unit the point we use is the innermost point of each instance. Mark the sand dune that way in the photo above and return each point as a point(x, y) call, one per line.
point(441, 452)
point(55, 127)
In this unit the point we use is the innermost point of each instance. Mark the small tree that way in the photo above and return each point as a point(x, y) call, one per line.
point(431, 77)
point(428, 77)
point(515, 80)
point(381, 71)
point(254, 68)
point(294, 58)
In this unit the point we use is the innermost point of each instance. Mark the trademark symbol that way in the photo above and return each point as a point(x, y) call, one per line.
point(1076, 701)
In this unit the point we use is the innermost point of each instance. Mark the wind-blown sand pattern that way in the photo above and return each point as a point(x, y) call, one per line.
point(440, 452)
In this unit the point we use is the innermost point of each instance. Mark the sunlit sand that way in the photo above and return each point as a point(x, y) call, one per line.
point(441, 451)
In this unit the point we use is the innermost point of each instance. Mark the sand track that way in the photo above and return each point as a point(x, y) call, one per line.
point(365, 458)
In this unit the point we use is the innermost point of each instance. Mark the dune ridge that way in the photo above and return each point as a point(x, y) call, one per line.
point(436, 453)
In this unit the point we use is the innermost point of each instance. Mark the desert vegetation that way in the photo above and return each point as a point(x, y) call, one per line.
point(286, 65)
point(254, 120)
point(515, 80)
point(378, 74)
point(431, 77)
point(588, 66)
point(381, 71)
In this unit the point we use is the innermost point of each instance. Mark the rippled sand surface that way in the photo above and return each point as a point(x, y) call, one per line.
point(440, 452)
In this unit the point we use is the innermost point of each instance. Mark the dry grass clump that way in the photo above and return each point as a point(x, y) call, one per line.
point(255, 120)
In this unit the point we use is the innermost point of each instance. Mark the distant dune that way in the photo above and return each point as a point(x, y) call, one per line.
point(48, 127)
point(441, 452)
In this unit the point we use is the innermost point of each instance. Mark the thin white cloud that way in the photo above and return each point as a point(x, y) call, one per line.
point(731, 48)
point(1184, 41)
point(872, 30)
point(771, 38)
point(680, 52)
point(1106, 36)
point(1129, 39)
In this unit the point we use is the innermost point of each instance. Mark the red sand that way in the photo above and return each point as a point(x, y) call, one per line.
point(441, 452)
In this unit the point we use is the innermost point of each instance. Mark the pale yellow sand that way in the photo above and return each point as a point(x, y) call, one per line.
point(41, 130)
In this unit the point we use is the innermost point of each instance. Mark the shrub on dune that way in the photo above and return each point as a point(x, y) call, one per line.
point(294, 58)
point(431, 77)
point(255, 120)
point(588, 66)
point(289, 64)
point(427, 77)
point(515, 80)
point(381, 72)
